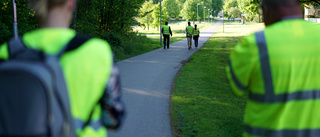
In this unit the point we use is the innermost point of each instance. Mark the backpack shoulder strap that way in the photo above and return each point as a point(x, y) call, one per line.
point(76, 42)
point(15, 46)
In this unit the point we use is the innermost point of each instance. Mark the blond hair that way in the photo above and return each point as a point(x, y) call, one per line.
point(41, 7)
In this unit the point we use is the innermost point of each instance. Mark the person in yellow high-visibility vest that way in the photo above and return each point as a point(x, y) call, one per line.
point(189, 32)
point(279, 67)
point(166, 31)
point(196, 35)
point(91, 75)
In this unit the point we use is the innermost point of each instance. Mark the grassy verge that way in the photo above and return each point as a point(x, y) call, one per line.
point(202, 103)
point(134, 45)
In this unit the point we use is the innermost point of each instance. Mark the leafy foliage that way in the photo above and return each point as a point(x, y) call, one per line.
point(190, 9)
point(145, 16)
point(249, 7)
point(25, 18)
point(229, 4)
point(149, 15)
point(234, 12)
point(171, 7)
point(156, 16)
point(313, 2)
point(106, 15)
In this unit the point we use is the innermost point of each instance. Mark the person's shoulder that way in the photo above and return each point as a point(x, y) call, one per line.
point(4, 51)
point(98, 44)
point(96, 49)
point(250, 39)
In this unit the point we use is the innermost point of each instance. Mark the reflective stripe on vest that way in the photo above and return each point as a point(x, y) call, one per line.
point(282, 133)
point(196, 32)
point(189, 29)
point(235, 79)
point(166, 30)
point(79, 124)
point(270, 96)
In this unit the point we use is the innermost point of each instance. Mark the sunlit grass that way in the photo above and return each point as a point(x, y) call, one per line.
point(202, 103)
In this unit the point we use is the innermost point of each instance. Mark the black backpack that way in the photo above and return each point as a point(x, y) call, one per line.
point(34, 100)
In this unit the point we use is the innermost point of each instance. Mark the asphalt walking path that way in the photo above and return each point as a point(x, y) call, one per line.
point(146, 87)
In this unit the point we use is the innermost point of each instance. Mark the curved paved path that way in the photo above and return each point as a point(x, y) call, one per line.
point(146, 86)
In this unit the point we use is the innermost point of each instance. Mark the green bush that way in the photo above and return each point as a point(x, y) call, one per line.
point(125, 45)
point(113, 39)
point(5, 34)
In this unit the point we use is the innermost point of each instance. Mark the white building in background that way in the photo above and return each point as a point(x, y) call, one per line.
point(314, 12)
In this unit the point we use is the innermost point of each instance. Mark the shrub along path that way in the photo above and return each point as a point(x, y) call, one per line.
point(146, 86)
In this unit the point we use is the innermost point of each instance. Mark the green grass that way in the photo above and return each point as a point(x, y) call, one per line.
point(202, 103)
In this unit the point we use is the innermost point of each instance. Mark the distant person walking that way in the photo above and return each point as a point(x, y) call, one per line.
point(166, 31)
point(196, 35)
point(189, 31)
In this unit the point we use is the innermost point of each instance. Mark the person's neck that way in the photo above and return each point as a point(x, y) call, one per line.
point(291, 17)
point(57, 18)
point(293, 12)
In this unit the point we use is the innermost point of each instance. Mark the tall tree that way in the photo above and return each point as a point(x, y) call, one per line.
point(190, 10)
point(249, 7)
point(156, 16)
point(217, 6)
point(230, 3)
point(145, 14)
point(234, 12)
point(172, 8)
point(25, 18)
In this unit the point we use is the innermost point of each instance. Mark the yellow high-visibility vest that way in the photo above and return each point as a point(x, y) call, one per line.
point(90, 65)
point(196, 32)
point(189, 29)
point(280, 68)
point(166, 30)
